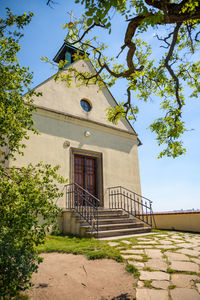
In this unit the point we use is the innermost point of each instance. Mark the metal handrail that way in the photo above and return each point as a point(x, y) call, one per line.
point(84, 203)
point(125, 199)
point(119, 186)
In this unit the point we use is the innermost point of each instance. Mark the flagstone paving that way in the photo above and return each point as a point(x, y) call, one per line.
point(164, 284)
point(133, 251)
point(184, 266)
point(176, 256)
point(149, 294)
point(113, 244)
point(183, 280)
point(160, 264)
point(126, 242)
point(127, 256)
point(184, 294)
point(137, 264)
point(169, 264)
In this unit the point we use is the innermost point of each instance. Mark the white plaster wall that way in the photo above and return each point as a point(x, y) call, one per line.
point(57, 96)
point(120, 156)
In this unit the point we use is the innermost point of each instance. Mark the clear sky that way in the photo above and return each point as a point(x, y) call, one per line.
point(171, 184)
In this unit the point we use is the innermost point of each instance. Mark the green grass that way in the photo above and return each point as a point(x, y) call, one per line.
point(172, 286)
point(91, 248)
point(147, 284)
point(132, 269)
point(171, 271)
point(148, 269)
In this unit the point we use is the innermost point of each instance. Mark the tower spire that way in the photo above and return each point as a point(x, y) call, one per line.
point(71, 24)
point(68, 48)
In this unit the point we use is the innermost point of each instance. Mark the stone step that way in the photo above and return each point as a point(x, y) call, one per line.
point(116, 226)
point(112, 216)
point(119, 232)
point(104, 210)
point(110, 212)
point(106, 216)
point(112, 221)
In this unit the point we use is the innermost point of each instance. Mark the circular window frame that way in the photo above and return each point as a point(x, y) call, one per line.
point(88, 104)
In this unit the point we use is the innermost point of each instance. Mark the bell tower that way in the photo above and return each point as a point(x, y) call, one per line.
point(66, 53)
point(68, 49)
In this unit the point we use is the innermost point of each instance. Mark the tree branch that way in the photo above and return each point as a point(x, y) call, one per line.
point(168, 67)
point(86, 31)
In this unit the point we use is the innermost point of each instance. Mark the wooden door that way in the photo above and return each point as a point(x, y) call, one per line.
point(85, 173)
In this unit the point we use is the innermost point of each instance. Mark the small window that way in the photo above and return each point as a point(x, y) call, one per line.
point(86, 105)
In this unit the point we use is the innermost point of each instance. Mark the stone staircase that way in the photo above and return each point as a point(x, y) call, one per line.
point(113, 223)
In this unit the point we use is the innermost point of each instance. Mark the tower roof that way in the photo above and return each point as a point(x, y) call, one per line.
point(66, 47)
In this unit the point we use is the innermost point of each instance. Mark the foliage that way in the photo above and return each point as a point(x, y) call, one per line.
point(147, 284)
point(91, 248)
point(164, 72)
point(15, 117)
point(132, 269)
point(27, 194)
point(26, 211)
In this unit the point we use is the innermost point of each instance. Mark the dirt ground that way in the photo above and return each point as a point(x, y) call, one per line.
point(73, 277)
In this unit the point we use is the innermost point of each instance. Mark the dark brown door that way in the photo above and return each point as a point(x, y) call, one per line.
point(85, 173)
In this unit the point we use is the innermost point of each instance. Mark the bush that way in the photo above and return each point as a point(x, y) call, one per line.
point(27, 194)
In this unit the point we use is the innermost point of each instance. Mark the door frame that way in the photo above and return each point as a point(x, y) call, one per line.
point(99, 169)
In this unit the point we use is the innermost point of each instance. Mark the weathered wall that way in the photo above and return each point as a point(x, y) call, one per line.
point(119, 149)
point(188, 221)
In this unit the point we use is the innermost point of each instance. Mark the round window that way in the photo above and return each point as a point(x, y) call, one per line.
point(86, 105)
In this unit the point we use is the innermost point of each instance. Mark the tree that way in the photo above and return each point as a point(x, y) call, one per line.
point(26, 194)
point(165, 75)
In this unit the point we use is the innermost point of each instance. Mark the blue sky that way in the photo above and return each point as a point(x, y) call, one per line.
point(170, 183)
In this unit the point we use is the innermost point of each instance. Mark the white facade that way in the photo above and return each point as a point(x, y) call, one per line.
point(63, 124)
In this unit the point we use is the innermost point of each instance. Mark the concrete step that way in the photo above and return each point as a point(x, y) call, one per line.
point(110, 212)
point(106, 216)
point(113, 223)
point(116, 220)
point(117, 226)
point(105, 211)
point(119, 232)
point(112, 216)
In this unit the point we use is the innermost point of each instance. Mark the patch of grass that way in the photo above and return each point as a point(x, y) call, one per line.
point(90, 247)
point(147, 284)
point(191, 256)
point(172, 286)
point(171, 271)
point(197, 281)
point(172, 249)
point(121, 242)
point(132, 269)
point(143, 259)
point(148, 269)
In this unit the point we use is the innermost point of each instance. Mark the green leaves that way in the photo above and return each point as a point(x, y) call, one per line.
point(15, 116)
point(27, 194)
point(89, 22)
point(27, 210)
point(165, 72)
point(169, 130)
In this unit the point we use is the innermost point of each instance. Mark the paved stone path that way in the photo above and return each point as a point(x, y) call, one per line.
point(168, 262)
